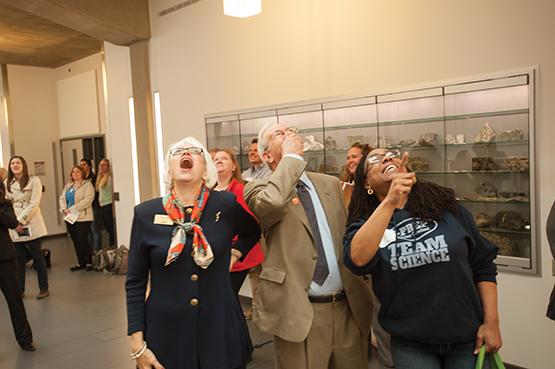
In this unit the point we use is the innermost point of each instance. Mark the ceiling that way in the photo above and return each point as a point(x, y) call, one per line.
point(26, 39)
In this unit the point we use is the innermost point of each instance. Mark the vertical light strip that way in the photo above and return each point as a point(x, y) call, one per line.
point(159, 141)
point(134, 159)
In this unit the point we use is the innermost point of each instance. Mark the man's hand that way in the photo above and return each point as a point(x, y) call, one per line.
point(292, 144)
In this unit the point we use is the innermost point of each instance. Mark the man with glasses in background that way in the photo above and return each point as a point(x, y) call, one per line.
point(315, 308)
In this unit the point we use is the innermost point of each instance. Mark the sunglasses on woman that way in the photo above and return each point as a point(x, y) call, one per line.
point(378, 158)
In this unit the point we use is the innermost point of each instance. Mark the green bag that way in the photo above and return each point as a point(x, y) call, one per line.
point(494, 359)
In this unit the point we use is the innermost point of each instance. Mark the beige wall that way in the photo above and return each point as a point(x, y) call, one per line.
point(203, 62)
point(34, 117)
point(35, 120)
point(88, 64)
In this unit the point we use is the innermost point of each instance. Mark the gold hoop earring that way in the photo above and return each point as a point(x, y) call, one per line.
point(369, 191)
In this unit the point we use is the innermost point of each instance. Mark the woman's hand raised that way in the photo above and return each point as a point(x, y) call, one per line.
point(401, 184)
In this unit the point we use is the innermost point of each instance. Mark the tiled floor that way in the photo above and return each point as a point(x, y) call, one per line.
point(83, 322)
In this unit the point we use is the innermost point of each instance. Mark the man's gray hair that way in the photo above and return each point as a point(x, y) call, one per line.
point(210, 175)
point(262, 139)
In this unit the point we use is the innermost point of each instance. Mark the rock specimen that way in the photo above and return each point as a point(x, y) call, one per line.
point(310, 144)
point(505, 245)
point(487, 190)
point(483, 164)
point(428, 139)
point(330, 143)
point(511, 135)
point(509, 219)
point(418, 164)
point(450, 140)
point(516, 164)
point(483, 220)
point(404, 143)
point(486, 134)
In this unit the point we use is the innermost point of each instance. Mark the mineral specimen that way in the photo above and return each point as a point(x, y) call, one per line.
point(505, 245)
point(310, 144)
point(404, 143)
point(482, 220)
point(486, 189)
point(483, 164)
point(516, 164)
point(509, 219)
point(511, 135)
point(450, 140)
point(330, 143)
point(487, 134)
point(418, 164)
point(428, 139)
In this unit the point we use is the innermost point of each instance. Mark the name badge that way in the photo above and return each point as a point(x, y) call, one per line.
point(162, 219)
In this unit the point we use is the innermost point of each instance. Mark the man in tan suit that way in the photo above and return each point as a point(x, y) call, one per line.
point(317, 310)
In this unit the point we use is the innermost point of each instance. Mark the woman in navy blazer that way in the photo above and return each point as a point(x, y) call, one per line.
point(191, 318)
point(8, 274)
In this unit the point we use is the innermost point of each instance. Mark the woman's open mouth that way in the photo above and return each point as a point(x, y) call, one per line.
point(186, 163)
point(389, 171)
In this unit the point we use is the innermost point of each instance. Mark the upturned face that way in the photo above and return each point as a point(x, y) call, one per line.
point(254, 159)
point(381, 165)
point(353, 158)
point(275, 137)
point(187, 164)
point(224, 164)
point(76, 174)
point(16, 166)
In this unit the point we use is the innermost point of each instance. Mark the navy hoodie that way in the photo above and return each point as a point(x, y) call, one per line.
point(425, 274)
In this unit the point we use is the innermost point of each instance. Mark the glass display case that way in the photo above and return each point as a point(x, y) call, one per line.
point(474, 136)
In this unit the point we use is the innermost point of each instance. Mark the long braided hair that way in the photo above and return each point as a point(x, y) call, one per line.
point(427, 200)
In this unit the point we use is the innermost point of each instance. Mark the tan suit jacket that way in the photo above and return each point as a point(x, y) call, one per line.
point(282, 307)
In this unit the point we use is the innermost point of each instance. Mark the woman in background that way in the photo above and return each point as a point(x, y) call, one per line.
point(105, 189)
point(25, 192)
point(181, 245)
point(355, 153)
point(76, 200)
point(229, 179)
point(8, 275)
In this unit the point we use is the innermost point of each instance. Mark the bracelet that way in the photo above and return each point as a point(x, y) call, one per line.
point(135, 355)
point(236, 253)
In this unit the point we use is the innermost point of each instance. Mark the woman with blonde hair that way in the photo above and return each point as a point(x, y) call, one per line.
point(105, 189)
point(25, 192)
point(181, 245)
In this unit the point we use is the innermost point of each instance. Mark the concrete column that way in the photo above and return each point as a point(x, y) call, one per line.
point(6, 128)
point(144, 123)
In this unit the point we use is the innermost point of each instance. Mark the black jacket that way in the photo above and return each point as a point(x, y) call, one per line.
point(425, 273)
point(550, 227)
point(192, 317)
point(7, 220)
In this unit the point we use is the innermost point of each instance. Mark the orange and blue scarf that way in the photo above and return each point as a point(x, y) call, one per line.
point(202, 252)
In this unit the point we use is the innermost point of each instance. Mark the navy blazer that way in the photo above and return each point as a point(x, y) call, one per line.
point(192, 317)
point(7, 220)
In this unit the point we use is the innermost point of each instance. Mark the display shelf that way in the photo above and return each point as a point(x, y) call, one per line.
point(495, 201)
point(487, 114)
point(495, 109)
point(482, 172)
point(503, 230)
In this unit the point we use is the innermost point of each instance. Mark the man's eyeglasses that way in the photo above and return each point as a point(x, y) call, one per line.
point(178, 151)
point(283, 132)
point(377, 158)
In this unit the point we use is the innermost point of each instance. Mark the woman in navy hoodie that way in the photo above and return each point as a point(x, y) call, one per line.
point(431, 269)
